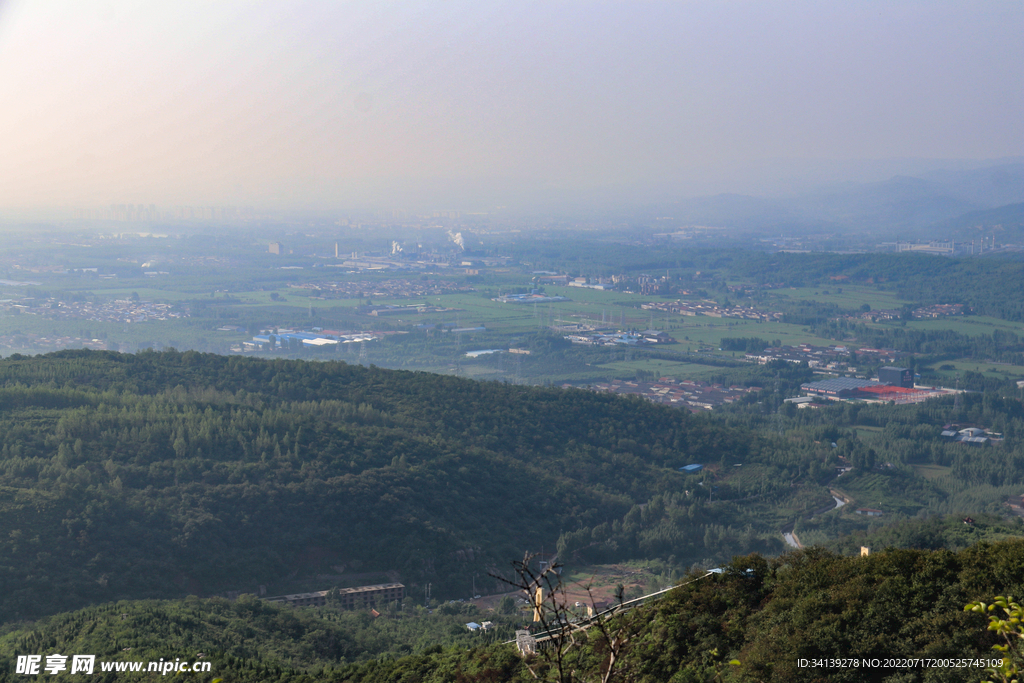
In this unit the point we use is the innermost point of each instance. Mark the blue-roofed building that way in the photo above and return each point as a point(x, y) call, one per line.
point(297, 335)
point(691, 469)
point(295, 340)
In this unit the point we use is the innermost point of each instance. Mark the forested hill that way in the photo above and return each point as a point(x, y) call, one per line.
point(770, 614)
point(895, 607)
point(165, 474)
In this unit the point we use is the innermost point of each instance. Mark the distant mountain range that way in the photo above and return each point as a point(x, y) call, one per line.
point(941, 202)
point(1004, 223)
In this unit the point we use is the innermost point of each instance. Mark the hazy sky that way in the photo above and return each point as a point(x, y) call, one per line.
point(469, 104)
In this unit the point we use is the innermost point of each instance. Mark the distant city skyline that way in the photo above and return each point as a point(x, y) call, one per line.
point(468, 106)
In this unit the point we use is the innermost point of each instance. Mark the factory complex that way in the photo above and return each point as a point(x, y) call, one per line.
point(298, 339)
point(893, 385)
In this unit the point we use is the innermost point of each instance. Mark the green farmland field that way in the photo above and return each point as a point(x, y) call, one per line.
point(969, 325)
point(852, 297)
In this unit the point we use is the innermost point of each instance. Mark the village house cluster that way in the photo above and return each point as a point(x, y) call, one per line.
point(922, 313)
point(55, 342)
point(119, 311)
point(690, 394)
point(826, 357)
point(381, 289)
point(712, 310)
point(970, 435)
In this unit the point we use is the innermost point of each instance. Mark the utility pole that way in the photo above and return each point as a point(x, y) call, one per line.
point(956, 397)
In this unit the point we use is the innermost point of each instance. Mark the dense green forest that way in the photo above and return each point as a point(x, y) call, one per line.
point(770, 614)
point(766, 614)
point(162, 474)
point(250, 639)
point(159, 475)
point(137, 488)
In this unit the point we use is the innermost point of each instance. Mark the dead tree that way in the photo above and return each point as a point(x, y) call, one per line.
point(555, 649)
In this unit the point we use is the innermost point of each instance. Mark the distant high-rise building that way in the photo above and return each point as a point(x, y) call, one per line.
point(275, 248)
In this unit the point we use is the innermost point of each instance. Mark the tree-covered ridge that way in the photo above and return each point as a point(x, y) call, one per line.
point(249, 639)
point(769, 614)
point(766, 613)
point(948, 532)
point(989, 286)
point(158, 475)
point(166, 474)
